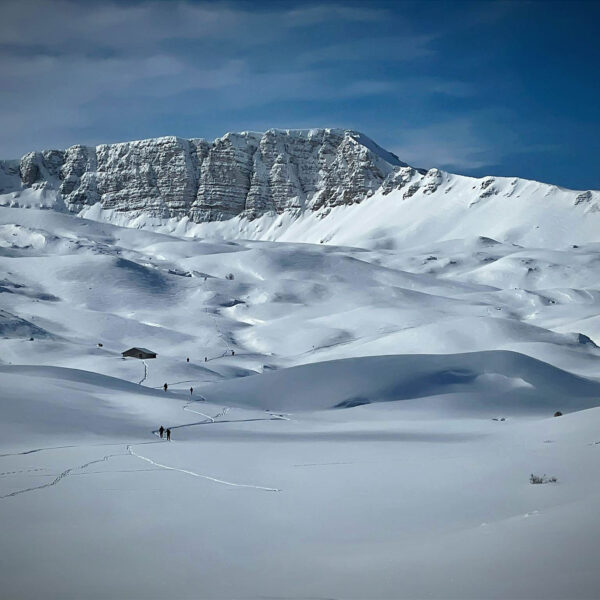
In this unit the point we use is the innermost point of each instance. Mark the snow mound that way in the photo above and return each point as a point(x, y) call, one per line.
point(66, 403)
point(16, 236)
point(12, 326)
point(477, 382)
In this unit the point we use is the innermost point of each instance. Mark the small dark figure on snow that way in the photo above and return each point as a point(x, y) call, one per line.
point(161, 431)
point(191, 391)
point(233, 353)
point(205, 358)
point(168, 435)
point(165, 387)
point(187, 360)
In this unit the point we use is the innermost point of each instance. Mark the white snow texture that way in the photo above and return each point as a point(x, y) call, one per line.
point(376, 354)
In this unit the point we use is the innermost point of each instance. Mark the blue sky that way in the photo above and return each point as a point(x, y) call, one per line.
point(505, 88)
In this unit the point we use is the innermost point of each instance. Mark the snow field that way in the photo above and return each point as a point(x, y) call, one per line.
point(353, 447)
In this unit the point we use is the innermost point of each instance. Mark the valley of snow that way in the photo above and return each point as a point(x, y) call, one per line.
point(366, 411)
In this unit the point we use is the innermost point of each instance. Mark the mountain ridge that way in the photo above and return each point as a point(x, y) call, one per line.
point(249, 172)
point(313, 185)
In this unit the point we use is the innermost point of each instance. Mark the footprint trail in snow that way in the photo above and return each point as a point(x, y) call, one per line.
point(213, 479)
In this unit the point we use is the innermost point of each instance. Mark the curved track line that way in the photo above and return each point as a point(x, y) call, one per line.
point(145, 373)
point(64, 474)
point(279, 416)
point(221, 335)
point(72, 446)
point(209, 418)
point(223, 412)
point(214, 479)
point(7, 473)
point(221, 422)
point(213, 420)
point(36, 450)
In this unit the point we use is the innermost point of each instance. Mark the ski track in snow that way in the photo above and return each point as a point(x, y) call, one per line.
point(145, 373)
point(223, 412)
point(7, 473)
point(224, 421)
point(279, 417)
point(209, 419)
point(64, 474)
point(193, 474)
point(50, 448)
point(116, 471)
point(202, 399)
point(213, 420)
point(130, 452)
point(219, 332)
point(36, 450)
point(322, 464)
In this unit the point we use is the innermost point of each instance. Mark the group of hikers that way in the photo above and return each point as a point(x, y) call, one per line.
point(166, 387)
point(162, 430)
point(206, 357)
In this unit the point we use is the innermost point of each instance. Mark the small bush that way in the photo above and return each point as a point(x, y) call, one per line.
point(537, 479)
point(229, 276)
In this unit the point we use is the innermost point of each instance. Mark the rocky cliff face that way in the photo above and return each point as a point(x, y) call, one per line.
point(247, 174)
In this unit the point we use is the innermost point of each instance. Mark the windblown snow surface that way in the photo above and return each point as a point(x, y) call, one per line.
point(373, 435)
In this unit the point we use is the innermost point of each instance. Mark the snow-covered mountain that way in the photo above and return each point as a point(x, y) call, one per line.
point(239, 174)
point(319, 185)
point(345, 412)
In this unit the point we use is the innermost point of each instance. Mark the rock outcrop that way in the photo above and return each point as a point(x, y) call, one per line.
point(248, 174)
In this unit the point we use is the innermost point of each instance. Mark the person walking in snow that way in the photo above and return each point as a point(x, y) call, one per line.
point(168, 435)
point(161, 431)
point(205, 358)
point(188, 359)
point(191, 391)
point(165, 387)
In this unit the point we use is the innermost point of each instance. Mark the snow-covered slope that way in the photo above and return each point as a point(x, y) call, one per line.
point(425, 209)
point(355, 392)
point(82, 283)
point(243, 503)
point(513, 384)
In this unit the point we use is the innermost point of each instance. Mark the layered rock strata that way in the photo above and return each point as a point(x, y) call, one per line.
point(247, 174)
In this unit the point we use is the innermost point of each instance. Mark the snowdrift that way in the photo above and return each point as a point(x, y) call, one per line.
point(478, 382)
point(12, 326)
point(44, 403)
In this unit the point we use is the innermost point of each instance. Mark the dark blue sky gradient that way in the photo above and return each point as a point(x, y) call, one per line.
point(507, 88)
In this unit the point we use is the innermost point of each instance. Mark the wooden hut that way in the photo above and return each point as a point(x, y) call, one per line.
point(139, 353)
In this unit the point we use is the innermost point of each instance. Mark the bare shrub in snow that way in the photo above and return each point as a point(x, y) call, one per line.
point(537, 479)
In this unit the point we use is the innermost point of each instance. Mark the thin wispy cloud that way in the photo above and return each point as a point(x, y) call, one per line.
point(307, 14)
point(429, 80)
point(404, 47)
point(452, 145)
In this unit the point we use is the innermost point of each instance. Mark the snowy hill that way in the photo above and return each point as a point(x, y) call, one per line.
point(361, 377)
